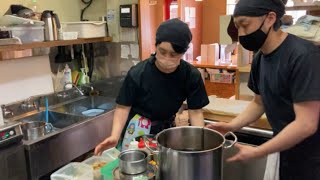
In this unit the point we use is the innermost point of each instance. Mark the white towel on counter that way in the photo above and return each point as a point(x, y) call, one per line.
point(272, 167)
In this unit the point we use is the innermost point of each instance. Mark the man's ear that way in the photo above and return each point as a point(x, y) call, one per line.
point(271, 18)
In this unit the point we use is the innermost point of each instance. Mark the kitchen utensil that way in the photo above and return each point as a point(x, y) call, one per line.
point(92, 112)
point(90, 57)
point(46, 101)
point(77, 50)
point(56, 26)
point(133, 161)
point(62, 56)
point(35, 129)
point(149, 174)
point(88, 48)
point(48, 27)
point(199, 149)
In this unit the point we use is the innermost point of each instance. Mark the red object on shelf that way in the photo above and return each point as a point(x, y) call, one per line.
point(141, 143)
point(152, 145)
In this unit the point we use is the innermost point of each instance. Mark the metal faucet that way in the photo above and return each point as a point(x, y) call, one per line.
point(6, 112)
point(74, 87)
point(88, 86)
point(35, 104)
point(92, 91)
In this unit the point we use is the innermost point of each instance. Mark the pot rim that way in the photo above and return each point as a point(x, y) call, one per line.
point(138, 161)
point(192, 127)
point(43, 124)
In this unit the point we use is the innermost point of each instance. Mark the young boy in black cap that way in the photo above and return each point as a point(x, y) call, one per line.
point(156, 88)
point(285, 78)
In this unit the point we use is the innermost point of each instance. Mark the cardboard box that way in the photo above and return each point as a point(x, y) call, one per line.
point(213, 53)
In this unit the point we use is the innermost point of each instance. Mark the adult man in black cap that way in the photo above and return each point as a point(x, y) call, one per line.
point(285, 78)
point(156, 88)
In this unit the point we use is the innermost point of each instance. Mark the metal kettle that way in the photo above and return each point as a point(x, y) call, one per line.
point(48, 27)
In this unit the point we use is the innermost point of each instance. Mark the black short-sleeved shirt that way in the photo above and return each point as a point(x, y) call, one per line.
point(157, 95)
point(290, 74)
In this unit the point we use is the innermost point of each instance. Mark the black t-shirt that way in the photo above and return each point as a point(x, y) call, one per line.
point(290, 74)
point(157, 95)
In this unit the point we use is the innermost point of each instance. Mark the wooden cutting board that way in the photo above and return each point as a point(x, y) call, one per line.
point(220, 109)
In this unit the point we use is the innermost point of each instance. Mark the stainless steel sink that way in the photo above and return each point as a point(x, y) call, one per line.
point(58, 120)
point(80, 107)
point(109, 87)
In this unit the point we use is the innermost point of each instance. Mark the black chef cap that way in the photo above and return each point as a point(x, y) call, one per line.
point(175, 32)
point(256, 8)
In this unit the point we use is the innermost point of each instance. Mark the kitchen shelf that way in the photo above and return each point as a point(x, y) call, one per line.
point(245, 69)
point(198, 64)
point(17, 47)
point(303, 7)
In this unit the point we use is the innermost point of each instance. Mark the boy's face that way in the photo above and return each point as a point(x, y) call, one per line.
point(167, 59)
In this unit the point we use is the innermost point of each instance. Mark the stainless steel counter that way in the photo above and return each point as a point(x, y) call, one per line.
point(50, 153)
point(74, 134)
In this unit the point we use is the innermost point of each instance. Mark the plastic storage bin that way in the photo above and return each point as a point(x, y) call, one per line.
point(220, 76)
point(74, 171)
point(97, 162)
point(112, 152)
point(68, 35)
point(86, 29)
point(27, 34)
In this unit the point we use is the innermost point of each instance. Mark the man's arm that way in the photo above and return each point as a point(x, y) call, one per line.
point(304, 126)
point(196, 117)
point(252, 113)
point(119, 120)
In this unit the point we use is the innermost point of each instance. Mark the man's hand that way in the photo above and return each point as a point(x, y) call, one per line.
point(221, 127)
point(245, 153)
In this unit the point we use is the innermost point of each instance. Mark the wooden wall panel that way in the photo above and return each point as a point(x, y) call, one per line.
point(150, 17)
point(197, 31)
point(212, 10)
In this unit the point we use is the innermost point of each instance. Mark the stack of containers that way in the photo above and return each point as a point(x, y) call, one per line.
point(88, 169)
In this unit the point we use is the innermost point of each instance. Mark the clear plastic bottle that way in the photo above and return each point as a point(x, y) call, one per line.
point(67, 76)
point(33, 5)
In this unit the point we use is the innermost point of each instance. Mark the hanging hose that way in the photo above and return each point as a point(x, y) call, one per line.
point(88, 3)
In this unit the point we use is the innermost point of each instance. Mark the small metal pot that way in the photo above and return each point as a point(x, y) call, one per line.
point(34, 129)
point(133, 161)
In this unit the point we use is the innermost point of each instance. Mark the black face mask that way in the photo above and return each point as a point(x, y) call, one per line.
point(255, 40)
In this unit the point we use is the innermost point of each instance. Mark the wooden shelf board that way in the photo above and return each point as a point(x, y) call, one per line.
point(305, 7)
point(207, 65)
point(46, 44)
point(245, 69)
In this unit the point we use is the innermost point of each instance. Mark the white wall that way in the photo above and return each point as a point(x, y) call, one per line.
point(22, 78)
point(68, 10)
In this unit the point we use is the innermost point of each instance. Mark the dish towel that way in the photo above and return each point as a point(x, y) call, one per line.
point(272, 167)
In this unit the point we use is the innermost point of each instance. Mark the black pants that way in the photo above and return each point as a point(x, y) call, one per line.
point(299, 166)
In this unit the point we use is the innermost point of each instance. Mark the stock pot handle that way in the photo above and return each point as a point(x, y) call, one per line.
point(145, 139)
point(234, 141)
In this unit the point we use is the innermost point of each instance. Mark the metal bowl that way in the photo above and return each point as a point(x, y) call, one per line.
point(133, 161)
